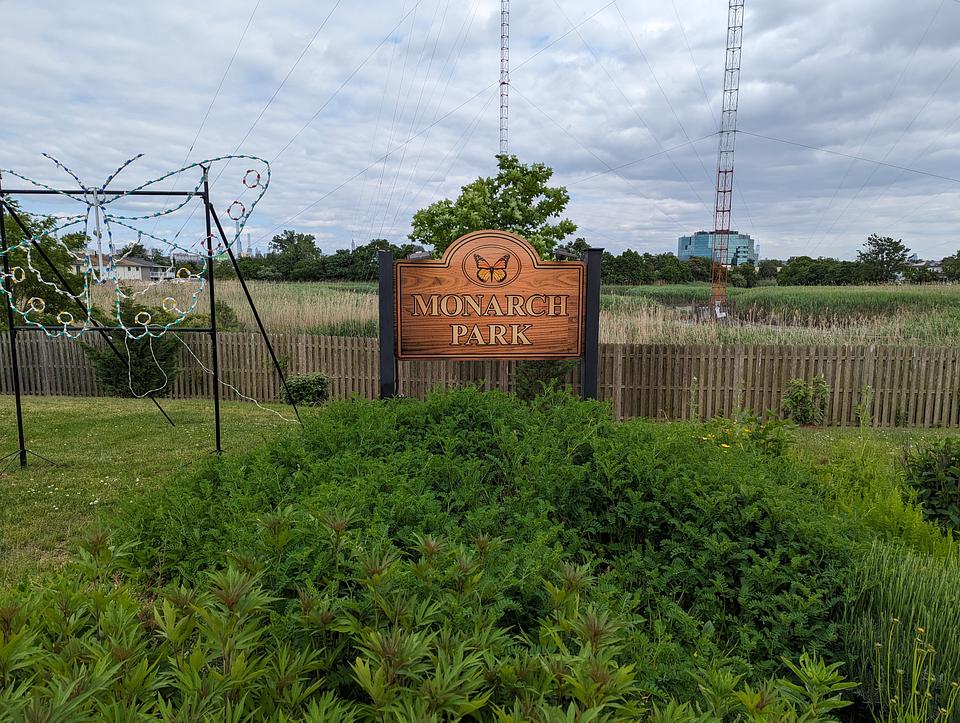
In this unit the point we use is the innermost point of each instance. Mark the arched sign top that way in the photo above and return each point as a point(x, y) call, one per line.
point(503, 250)
point(489, 296)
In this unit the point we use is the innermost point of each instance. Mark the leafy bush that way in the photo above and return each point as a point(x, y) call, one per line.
point(724, 549)
point(806, 402)
point(532, 378)
point(770, 436)
point(310, 390)
point(857, 475)
point(814, 698)
point(380, 634)
point(143, 365)
point(933, 471)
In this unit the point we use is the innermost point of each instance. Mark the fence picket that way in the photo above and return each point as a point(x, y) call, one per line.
point(914, 386)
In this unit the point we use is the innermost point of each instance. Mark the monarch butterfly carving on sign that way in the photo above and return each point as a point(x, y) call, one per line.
point(490, 296)
point(494, 273)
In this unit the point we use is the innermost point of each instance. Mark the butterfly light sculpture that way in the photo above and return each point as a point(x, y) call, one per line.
point(100, 265)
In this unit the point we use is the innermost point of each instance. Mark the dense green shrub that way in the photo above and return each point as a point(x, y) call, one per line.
point(806, 402)
point(532, 378)
point(933, 471)
point(144, 365)
point(856, 476)
point(381, 634)
point(721, 547)
point(310, 390)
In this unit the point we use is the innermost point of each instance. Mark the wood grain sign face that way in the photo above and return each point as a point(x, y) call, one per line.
point(489, 297)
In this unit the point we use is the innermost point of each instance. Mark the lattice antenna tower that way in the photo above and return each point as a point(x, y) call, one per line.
point(504, 76)
point(728, 135)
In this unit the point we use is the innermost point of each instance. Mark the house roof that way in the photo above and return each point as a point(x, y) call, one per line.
point(130, 261)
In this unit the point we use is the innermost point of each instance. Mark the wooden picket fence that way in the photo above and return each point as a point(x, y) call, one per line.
point(880, 385)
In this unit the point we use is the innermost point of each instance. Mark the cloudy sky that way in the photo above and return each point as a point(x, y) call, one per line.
point(370, 110)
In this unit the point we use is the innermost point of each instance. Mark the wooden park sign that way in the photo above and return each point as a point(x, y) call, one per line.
point(489, 297)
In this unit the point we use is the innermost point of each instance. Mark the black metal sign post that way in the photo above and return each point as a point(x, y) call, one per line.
point(590, 365)
point(215, 351)
point(12, 331)
point(388, 358)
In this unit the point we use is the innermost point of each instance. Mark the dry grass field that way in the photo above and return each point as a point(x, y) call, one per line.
point(915, 316)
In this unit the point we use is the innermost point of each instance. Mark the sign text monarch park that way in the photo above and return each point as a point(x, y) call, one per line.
point(490, 296)
point(472, 306)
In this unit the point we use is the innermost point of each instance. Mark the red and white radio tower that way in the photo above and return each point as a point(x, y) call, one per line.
point(728, 136)
point(504, 75)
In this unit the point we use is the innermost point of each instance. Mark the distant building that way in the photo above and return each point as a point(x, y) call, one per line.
point(742, 247)
point(128, 269)
point(930, 264)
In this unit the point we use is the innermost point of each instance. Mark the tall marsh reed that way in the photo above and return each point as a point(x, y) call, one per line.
point(903, 638)
point(647, 314)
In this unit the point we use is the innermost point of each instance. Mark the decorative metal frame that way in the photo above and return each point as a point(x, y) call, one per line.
point(13, 329)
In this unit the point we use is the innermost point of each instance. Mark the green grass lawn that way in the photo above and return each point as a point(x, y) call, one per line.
point(107, 450)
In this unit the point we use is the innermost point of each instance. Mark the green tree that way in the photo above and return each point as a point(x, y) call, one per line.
point(517, 199)
point(921, 275)
point(749, 275)
point(578, 247)
point(699, 268)
point(670, 269)
point(146, 364)
point(801, 271)
point(136, 250)
point(627, 268)
point(159, 256)
point(951, 267)
point(363, 259)
point(882, 258)
point(62, 253)
point(768, 269)
point(805, 271)
point(295, 255)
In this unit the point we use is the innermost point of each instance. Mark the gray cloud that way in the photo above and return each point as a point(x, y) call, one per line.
point(94, 85)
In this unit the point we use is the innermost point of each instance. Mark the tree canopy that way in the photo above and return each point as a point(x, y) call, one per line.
point(951, 267)
point(882, 259)
point(60, 251)
point(517, 199)
point(135, 250)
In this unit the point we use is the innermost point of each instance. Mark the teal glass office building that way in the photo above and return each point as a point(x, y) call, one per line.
point(742, 247)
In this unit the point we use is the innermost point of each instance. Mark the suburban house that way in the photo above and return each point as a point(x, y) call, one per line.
point(129, 269)
point(929, 264)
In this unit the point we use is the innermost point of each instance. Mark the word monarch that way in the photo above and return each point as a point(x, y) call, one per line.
point(481, 305)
